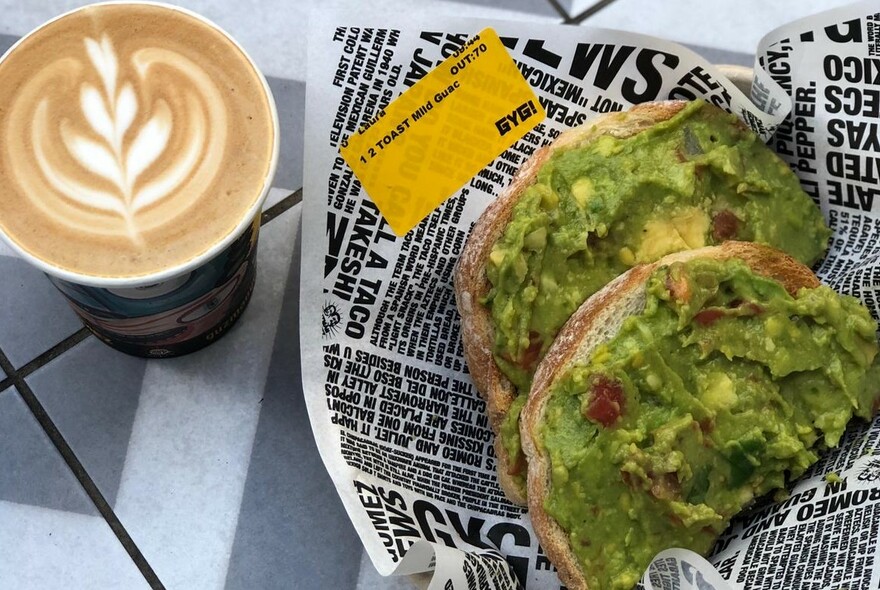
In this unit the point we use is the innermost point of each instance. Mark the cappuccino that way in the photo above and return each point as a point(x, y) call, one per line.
point(135, 139)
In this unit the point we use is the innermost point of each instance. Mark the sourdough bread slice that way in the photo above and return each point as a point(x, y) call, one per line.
point(472, 284)
point(596, 322)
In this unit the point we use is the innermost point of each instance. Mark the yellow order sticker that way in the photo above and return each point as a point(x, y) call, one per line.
point(437, 135)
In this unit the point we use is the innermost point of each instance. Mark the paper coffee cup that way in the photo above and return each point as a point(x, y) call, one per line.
point(138, 142)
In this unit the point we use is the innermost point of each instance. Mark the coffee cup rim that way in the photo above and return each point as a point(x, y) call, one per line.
point(217, 247)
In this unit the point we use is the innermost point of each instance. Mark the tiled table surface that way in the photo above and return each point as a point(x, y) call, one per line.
point(201, 472)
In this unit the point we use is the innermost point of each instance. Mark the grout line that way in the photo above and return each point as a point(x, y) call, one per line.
point(8, 369)
point(281, 206)
point(558, 7)
point(74, 463)
point(54, 352)
point(587, 13)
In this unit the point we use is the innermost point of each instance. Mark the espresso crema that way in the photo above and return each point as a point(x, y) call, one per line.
point(133, 139)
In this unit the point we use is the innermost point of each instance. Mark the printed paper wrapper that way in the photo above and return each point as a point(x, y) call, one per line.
point(398, 422)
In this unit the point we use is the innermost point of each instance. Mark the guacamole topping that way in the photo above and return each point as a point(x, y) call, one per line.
point(722, 388)
point(695, 180)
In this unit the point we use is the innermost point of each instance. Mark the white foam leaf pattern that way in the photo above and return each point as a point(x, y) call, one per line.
point(188, 159)
point(126, 110)
point(94, 198)
point(77, 192)
point(93, 156)
point(114, 161)
point(150, 142)
point(93, 107)
point(104, 59)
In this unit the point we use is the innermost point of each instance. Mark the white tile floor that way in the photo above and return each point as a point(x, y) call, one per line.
point(59, 550)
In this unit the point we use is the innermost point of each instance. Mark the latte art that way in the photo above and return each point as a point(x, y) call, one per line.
point(130, 147)
point(117, 138)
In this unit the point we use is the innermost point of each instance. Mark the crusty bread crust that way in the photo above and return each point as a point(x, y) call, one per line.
point(594, 323)
point(472, 284)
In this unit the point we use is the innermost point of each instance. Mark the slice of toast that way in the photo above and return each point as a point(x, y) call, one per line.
point(596, 322)
point(472, 285)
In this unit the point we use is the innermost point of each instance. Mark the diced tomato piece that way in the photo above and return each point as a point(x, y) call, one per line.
point(724, 225)
point(606, 401)
point(707, 317)
point(530, 356)
point(736, 308)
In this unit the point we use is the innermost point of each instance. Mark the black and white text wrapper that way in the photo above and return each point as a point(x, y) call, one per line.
point(401, 428)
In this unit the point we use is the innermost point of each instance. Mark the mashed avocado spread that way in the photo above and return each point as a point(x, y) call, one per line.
point(694, 180)
point(706, 400)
